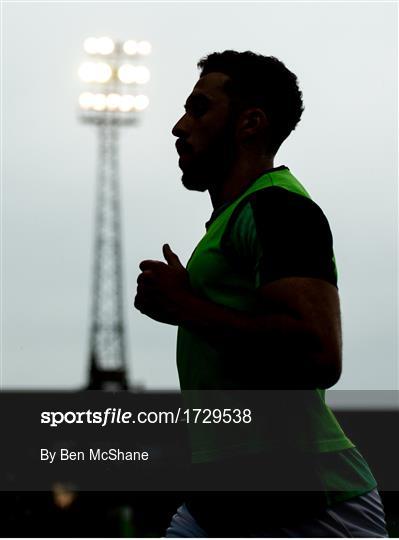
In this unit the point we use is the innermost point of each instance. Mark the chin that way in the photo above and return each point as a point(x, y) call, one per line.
point(194, 183)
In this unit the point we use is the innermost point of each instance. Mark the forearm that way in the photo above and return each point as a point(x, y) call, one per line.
point(289, 350)
point(292, 339)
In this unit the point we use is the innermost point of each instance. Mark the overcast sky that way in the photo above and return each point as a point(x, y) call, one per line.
point(344, 151)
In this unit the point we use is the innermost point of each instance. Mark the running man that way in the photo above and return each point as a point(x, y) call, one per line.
point(257, 306)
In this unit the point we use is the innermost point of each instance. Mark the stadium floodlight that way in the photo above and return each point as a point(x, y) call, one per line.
point(95, 72)
point(144, 48)
point(127, 73)
point(130, 47)
point(99, 102)
point(103, 72)
point(90, 45)
point(127, 103)
point(111, 70)
point(105, 45)
point(86, 100)
point(142, 75)
point(113, 101)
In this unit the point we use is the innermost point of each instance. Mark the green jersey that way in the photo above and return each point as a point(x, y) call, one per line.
point(271, 231)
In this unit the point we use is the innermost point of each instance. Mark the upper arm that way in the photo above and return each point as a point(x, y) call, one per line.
point(314, 303)
point(286, 240)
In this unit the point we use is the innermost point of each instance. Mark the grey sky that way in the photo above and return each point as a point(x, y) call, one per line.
point(344, 151)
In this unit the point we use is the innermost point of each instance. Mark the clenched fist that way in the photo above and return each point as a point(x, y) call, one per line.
point(163, 289)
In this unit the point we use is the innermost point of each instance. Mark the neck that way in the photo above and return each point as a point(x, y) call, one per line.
point(242, 174)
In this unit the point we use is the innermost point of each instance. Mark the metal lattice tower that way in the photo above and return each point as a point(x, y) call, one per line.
point(107, 334)
point(109, 108)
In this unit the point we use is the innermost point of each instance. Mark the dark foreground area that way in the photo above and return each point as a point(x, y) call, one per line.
point(111, 515)
point(64, 513)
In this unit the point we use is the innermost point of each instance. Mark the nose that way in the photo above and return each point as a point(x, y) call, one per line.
point(179, 129)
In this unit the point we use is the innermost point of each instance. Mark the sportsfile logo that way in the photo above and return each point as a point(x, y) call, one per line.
point(109, 416)
point(118, 416)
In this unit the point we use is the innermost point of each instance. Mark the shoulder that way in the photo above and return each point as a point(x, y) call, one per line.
point(283, 204)
point(287, 232)
point(282, 211)
point(274, 210)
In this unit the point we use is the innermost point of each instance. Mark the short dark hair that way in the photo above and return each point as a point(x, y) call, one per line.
point(262, 81)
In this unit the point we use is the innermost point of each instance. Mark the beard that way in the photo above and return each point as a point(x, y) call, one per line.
point(212, 166)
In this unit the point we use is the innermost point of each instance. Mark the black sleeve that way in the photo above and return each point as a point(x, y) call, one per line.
point(294, 237)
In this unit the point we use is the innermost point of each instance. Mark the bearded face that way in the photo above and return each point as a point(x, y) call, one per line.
point(205, 134)
point(211, 165)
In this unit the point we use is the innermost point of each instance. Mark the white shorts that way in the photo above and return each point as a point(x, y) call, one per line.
point(361, 517)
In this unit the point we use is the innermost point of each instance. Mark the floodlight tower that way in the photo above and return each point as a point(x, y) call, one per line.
point(114, 72)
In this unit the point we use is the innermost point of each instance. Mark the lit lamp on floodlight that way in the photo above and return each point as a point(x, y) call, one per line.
point(115, 74)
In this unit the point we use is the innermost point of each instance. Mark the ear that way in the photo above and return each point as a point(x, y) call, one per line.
point(252, 122)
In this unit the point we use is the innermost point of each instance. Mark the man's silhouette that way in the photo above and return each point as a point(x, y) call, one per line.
point(257, 306)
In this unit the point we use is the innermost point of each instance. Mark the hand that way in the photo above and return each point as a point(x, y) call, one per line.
point(163, 289)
